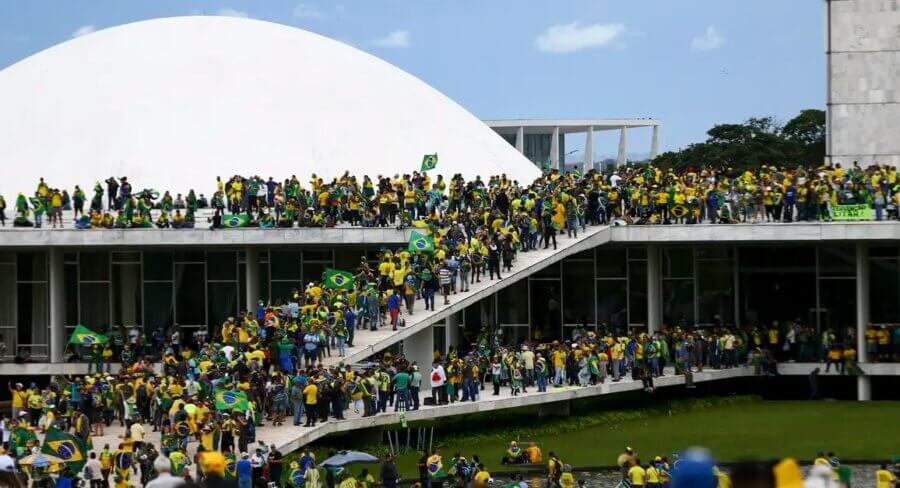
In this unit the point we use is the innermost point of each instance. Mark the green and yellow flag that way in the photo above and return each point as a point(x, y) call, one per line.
point(86, 337)
point(67, 447)
point(421, 243)
point(231, 400)
point(336, 279)
point(234, 221)
point(19, 439)
point(429, 161)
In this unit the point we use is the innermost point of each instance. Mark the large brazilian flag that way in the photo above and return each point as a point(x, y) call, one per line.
point(421, 243)
point(67, 447)
point(234, 221)
point(231, 400)
point(339, 280)
point(86, 337)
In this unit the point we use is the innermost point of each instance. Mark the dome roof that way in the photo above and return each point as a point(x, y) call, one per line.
point(172, 103)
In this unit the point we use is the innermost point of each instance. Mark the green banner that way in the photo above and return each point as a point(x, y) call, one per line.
point(852, 212)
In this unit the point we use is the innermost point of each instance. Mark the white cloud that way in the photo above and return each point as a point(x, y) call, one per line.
point(711, 39)
point(230, 12)
point(566, 38)
point(398, 38)
point(83, 30)
point(303, 11)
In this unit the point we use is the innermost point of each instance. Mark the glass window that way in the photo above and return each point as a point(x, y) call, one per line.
point(612, 303)
point(70, 276)
point(612, 263)
point(281, 290)
point(189, 256)
point(221, 265)
point(285, 265)
point(513, 336)
point(884, 252)
point(837, 303)
point(93, 266)
point(127, 294)
point(158, 266)
point(31, 266)
point(884, 291)
point(837, 261)
point(126, 257)
point(159, 312)
point(637, 253)
point(546, 317)
point(313, 271)
point(190, 291)
point(678, 302)
point(33, 309)
point(578, 294)
point(715, 289)
point(715, 252)
point(7, 295)
point(551, 271)
point(511, 303)
point(587, 254)
point(222, 302)
point(93, 299)
point(637, 292)
point(242, 287)
point(777, 284)
point(317, 255)
point(678, 262)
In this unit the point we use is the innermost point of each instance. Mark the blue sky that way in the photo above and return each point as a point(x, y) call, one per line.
point(690, 63)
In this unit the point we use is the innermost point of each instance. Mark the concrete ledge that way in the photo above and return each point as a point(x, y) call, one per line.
point(487, 404)
point(871, 369)
point(795, 232)
point(38, 369)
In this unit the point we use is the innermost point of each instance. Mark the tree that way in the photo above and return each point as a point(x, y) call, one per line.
point(807, 133)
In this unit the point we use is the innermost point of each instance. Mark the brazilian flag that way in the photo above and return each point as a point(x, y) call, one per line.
point(67, 447)
point(235, 221)
point(421, 243)
point(86, 337)
point(231, 400)
point(230, 466)
point(429, 161)
point(339, 280)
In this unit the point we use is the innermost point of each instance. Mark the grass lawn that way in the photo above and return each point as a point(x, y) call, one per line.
point(749, 429)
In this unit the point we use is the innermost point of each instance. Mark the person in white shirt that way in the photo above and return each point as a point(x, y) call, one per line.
point(438, 382)
point(163, 467)
point(93, 471)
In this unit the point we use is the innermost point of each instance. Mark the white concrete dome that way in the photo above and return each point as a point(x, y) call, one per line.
point(172, 103)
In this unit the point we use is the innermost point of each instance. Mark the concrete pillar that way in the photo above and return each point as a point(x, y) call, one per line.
point(419, 348)
point(863, 383)
point(451, 330)
point(57, 285)
point(589, 149)
point(654, 143)
point(654, 281)
point(622, 160)
point(520, 140)
point(554, 149)
point(251, 285)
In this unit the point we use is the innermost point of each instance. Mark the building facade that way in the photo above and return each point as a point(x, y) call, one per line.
point(863, 62)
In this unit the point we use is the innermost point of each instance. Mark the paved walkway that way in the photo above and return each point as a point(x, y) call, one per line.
point(289, 438)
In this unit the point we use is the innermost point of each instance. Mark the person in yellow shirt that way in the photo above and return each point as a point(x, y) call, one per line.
point(310, 394)
point(652, 476)
point(884, 478)
point(637, 474)
point(18, 399)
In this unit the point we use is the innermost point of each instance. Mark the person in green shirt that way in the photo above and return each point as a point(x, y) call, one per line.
point(401, 386)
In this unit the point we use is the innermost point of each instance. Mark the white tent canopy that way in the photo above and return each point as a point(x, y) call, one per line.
point(172, 103)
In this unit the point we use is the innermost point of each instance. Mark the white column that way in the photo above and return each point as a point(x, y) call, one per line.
point(654, 143)
point(863, 382)
point(623, 147)
point(520, 139)
point(554, 149)
point(589, 149)
point(251, 285)
point(654, 305)
point(57, 285)
point(419, 348)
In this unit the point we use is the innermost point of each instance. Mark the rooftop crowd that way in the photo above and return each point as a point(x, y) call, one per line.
point(634, 194)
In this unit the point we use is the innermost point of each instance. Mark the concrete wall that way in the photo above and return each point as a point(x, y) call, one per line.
point(863, 56)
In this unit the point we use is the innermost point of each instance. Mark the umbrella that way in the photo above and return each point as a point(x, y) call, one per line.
point(40, 460)
point(344, 458)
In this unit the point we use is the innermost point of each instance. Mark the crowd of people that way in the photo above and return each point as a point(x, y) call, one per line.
point(633, 194)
